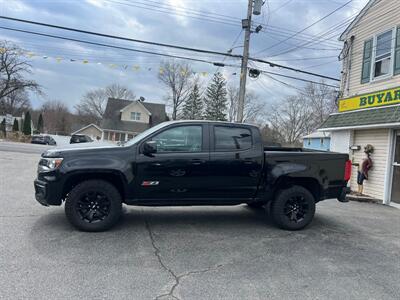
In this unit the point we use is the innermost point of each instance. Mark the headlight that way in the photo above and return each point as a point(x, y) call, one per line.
point(49, 164)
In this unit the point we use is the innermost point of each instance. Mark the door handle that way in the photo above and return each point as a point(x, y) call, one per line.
point(248, 161)
point(156, 164)
point(197, 162)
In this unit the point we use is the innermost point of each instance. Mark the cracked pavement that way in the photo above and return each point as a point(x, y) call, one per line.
point(349, 252)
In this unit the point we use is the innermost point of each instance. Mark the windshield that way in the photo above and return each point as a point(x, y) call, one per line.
point(145, 133)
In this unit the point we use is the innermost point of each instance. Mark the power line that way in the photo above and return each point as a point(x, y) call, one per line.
point(271, 64)
point(321, 38)
point(118, 37)
point(298, 78)
point(307, 58)
point(304, 29)
point(283, 5)
point(151, 43)
point(318, 40)
point(200, 15)
point(111, 46)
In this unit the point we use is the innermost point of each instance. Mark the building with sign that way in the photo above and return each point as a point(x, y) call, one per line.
point(369, 108)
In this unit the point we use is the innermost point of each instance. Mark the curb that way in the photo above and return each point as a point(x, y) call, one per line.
point(363, 199)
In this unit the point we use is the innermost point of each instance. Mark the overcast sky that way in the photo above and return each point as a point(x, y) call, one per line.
point(206, 24)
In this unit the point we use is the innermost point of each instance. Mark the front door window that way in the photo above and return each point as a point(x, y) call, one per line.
point(396, 172)
point(180, 139)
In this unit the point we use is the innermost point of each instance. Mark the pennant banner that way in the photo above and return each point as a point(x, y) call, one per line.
point(125, 67)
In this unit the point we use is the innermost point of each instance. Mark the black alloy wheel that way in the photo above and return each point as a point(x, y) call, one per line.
point(293, 208)
point(296, 208)
point(93, 205)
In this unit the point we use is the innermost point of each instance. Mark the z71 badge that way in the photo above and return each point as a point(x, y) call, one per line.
point(150, 183)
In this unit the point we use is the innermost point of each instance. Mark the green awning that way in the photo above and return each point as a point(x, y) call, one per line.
point(384, 115)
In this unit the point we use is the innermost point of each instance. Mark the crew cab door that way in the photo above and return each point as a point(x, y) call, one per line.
point(236, 161)
point(178, 168)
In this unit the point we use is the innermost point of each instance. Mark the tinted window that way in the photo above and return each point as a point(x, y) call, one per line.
point(232, 138)
point(180, 139)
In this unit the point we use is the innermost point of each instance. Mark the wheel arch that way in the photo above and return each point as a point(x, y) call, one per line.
point(114, 178)
point(309, 183)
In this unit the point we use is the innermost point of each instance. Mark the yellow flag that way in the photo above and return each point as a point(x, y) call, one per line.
point(136, 68)
point(58, 59)
point(85, 61)
point(204, 73)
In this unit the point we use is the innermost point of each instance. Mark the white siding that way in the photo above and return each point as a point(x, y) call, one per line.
point(91, 131)
point(379, 138)
point(340, 141)
point(383, 15)
point(135, 107)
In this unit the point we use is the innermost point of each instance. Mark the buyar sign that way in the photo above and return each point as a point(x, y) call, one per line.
point(381, 98)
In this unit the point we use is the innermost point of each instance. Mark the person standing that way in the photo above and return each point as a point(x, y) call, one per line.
point(364, 168)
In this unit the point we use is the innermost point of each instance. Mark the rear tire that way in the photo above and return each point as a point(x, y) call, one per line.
point(293, 208)
point(93, 205)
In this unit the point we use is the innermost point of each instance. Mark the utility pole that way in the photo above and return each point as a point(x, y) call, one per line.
point(246, 25)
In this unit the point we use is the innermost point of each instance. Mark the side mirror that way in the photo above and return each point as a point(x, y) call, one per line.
point(149, 147)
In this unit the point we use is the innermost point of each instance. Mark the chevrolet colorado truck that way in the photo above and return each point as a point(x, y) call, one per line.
point(190, 163)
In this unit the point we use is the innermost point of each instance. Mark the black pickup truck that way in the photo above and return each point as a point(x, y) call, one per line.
point(190, 163)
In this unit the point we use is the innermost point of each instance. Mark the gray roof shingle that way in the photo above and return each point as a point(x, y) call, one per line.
point(364, 117)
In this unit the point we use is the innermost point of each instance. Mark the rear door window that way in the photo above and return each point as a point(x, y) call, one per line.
point(232, 138)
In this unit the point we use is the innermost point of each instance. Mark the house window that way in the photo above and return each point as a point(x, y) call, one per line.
point(309, 142)
point(135, 116)
point(383, 54)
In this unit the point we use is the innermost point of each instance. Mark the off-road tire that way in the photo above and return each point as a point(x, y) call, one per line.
point(282, 213)
point(94, 190)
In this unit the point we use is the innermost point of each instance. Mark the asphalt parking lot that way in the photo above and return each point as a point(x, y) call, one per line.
point(350, 251)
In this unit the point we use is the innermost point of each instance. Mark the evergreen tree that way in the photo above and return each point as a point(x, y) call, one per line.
point(40, 123)
point(27, 129)
point(216, 99)
point(193, 108)
point(15, 127)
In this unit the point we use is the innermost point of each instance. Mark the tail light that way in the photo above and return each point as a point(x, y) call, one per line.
point(347, 170)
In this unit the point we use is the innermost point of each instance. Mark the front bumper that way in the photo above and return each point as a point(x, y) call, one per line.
point(47, 193)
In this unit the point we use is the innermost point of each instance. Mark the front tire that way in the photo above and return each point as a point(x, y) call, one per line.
point(93, 205)
point(293, 208)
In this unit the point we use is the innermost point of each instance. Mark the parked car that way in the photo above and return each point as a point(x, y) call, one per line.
point(80, 138)
point(190, 163)
point(43, 140)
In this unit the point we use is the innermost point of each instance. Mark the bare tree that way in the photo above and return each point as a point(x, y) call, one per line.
point(177, 77)
point(57, 117)
point(15, 103)
point(253, 108)
point(322, 101)
point(93, 104)
point(13, 68)
point(291, 119)
point(270, 137)
point(303, 113)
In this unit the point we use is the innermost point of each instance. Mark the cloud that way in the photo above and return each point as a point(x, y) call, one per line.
point(68, 80)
